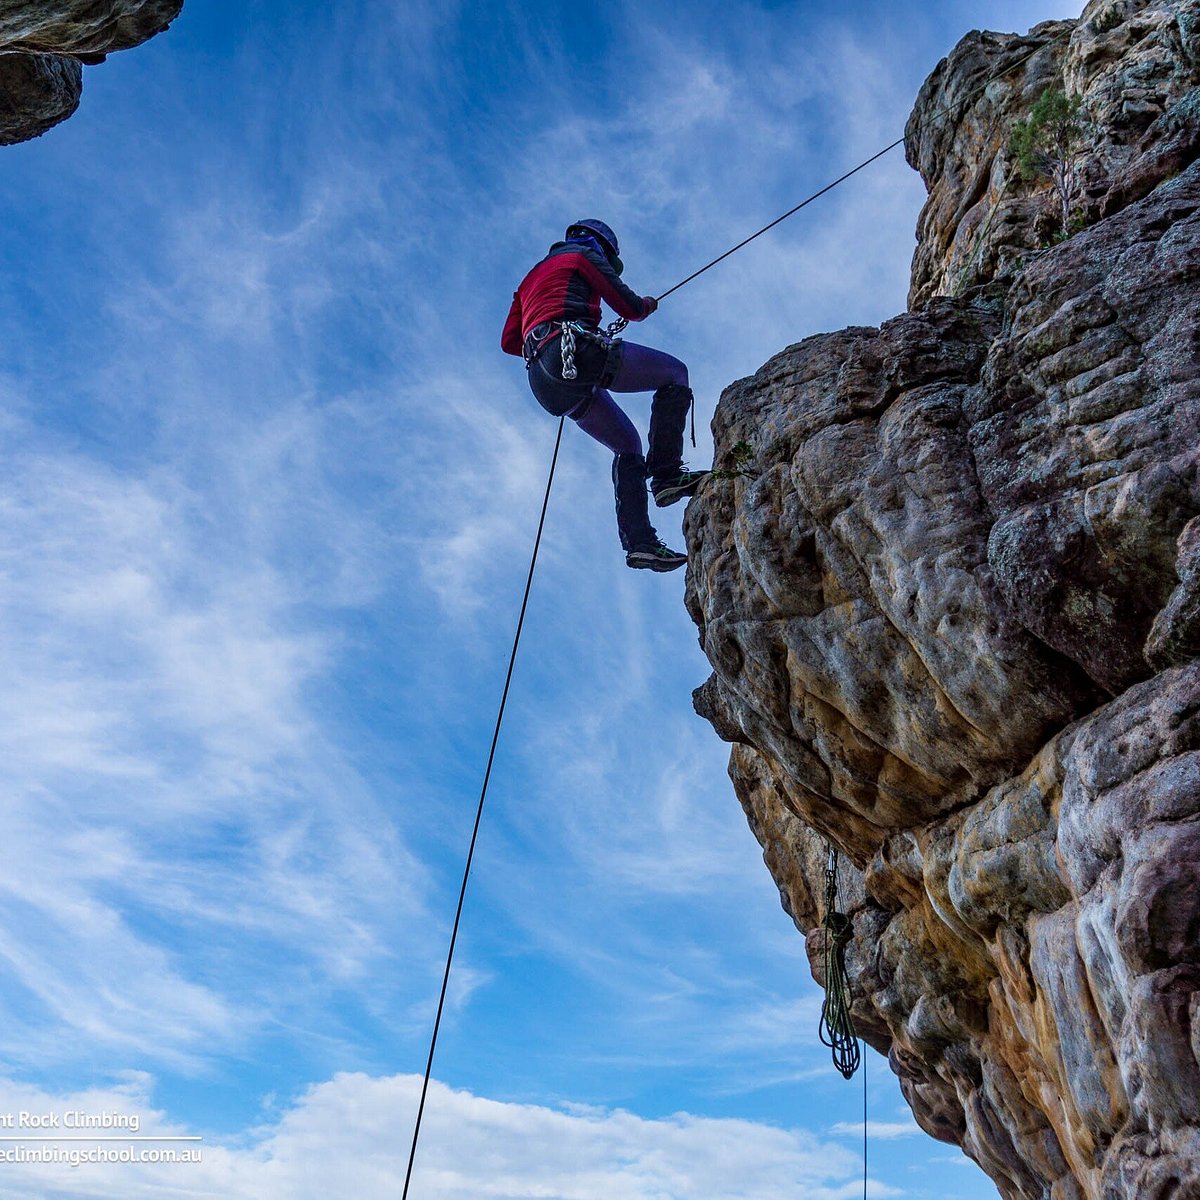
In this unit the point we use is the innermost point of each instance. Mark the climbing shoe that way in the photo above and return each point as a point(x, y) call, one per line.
point(656, 558)
point(676, 487)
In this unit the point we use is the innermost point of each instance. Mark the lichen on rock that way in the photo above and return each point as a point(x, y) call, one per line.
point(953, 618)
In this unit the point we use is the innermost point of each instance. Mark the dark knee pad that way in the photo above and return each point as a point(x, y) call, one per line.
point(673, 395)
point(629, 476)
point(668, 416)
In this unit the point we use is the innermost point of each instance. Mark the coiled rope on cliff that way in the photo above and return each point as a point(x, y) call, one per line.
point(844, 1051)
point(836, 1027)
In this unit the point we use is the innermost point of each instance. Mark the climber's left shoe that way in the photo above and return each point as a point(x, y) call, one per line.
point(676, 487)
point(656, 557)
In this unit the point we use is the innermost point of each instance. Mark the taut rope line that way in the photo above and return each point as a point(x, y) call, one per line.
point(866, 162)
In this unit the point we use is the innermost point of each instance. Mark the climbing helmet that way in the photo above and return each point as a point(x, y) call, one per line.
point(604, 235)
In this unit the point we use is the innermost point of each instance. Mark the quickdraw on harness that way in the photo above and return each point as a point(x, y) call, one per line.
point(540, 336)
point(837, 1026)
point(570, 329)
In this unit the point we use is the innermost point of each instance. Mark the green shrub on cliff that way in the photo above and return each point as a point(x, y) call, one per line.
point(1049, 145)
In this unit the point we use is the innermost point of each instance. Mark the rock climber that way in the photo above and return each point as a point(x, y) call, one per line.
point(574, 367)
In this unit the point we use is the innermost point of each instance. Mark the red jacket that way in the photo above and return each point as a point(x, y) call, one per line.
point(567, 285)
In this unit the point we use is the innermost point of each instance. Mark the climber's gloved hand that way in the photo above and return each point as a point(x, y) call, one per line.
point(650, 303)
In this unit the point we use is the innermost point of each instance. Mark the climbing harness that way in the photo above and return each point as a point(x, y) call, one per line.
point(537, 339)
point(836, 1028)
point(571, 329)
point(487, 775)
point(541, 335)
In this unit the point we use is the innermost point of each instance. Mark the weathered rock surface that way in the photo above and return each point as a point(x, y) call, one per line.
point(953, 614)
point(1136, 66)
point(43, 43)
point(36, 92)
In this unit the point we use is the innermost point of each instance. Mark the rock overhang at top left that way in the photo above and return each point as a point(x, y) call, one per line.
point(44, 45)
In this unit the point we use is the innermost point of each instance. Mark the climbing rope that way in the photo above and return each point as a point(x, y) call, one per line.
point(836, 1028)
point(790, 212)
point(487, 774)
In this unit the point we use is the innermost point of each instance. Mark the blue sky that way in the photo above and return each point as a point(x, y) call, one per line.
point(268, 488)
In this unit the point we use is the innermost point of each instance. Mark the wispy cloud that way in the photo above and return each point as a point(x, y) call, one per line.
point(163, 762)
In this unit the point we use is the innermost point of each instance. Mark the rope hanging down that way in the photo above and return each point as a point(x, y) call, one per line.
point(836, 1028)
point(487, 774)
point(864, 1127)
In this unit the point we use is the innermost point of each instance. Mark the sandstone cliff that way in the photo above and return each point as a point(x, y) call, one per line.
point(953, 615)
point(44, 44)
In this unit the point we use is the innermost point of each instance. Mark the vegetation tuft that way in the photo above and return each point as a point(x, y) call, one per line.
point(1051, 145)
point(740, 457)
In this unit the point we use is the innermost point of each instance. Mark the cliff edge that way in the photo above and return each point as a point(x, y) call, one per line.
point(953, 613)
point(45, 44)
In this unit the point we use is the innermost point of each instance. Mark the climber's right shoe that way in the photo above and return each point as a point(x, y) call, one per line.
point(656, 558)
point(676, 487)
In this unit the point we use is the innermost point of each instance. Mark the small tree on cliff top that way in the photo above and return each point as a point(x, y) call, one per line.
point(1050, 145)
